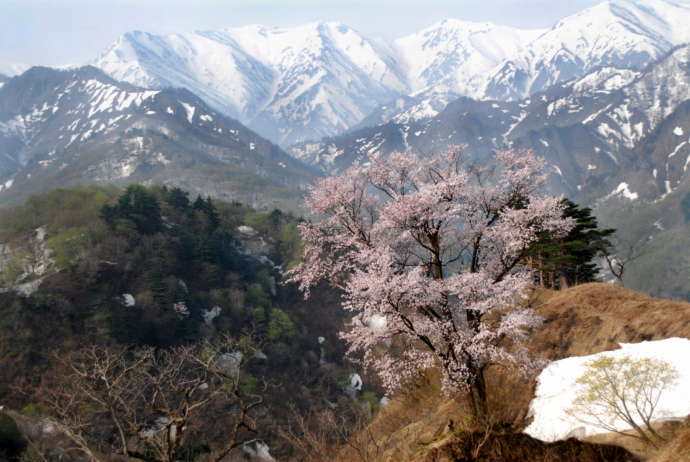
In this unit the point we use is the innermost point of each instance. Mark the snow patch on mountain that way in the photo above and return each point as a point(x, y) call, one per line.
point(618, 33)
point(624, 190)
point(11, 69)
point(289, 83)
point(295, 84)
point(454, 56)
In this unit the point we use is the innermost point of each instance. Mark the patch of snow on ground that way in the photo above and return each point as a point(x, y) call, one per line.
point(160, 157)
point(210, 315)
point(377, 322)
point(355, 382)
point(556, 390)
point(244, 229)
point(669, 189)
point(260, 451)
point(7, 185)
point(678, 131)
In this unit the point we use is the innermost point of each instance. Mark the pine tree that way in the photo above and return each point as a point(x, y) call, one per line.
point(570, 260)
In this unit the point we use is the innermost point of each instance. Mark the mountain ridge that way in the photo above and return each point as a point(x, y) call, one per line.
point(293, 84)
point(82, 126)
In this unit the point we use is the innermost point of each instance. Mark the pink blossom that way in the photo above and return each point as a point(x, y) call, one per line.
point(435, 247)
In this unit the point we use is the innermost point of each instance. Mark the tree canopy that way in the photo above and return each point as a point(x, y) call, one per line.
point(425, 250)
point(562, 261)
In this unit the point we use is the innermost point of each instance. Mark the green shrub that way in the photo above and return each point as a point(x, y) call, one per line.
point(34, 410)
point(280, 326)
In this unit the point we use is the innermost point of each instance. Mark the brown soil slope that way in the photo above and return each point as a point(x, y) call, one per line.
point(592, 318)
point(587, 319)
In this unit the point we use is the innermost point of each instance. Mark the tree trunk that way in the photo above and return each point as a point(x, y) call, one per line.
point(563, 281)
point(478, 397)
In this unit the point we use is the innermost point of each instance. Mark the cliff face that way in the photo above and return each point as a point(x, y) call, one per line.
point(423, 425)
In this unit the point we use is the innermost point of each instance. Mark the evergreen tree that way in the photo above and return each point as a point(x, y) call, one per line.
point(569, 260)
point(177, 198)
point(137, 205)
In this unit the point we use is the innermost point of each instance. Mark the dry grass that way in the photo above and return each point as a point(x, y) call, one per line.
point(414, 422)
point(678, 449)
point(422, 425)
point(592, 318)
point(584, 320)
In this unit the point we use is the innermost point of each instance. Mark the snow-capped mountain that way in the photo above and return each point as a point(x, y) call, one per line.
point(588, 129)
point(81, 126)
point(322, 79)
point(288, 83)
point(619, 33)
point(454, 56)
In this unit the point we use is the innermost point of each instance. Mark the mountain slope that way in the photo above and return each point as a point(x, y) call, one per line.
point(454, 56)
point(288, 83)
point(587, 128)
point(619, 33)
point(322, 79)
point(81, 126)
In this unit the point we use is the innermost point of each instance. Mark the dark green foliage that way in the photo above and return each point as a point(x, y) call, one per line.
point(161, 248)
point(176, 198)
point(136, 205)
point(280, 326)
point(561, 262)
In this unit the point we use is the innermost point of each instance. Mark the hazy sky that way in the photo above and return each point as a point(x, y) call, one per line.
point(55, 32)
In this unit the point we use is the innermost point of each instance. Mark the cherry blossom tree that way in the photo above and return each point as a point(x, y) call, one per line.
point(429, 256)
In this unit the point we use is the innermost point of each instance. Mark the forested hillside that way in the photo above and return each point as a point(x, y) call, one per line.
point(154, 267)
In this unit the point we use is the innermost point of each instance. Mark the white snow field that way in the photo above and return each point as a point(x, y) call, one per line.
point(319, 79)
point(556, 390)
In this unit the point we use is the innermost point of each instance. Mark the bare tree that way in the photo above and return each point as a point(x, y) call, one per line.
point(147, 404)
point(623, 390)
point(626, 253)
point(327, 435)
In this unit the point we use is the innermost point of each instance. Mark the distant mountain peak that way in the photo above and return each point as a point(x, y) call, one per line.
point(10, 69)
point(288, 83)
point(323, 78)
